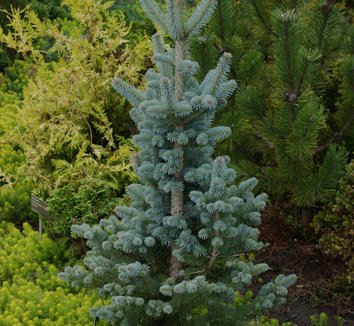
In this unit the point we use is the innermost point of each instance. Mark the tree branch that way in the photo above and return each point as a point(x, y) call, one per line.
point(336, 135)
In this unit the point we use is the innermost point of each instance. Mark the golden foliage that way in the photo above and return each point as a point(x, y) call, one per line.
point(69, 110)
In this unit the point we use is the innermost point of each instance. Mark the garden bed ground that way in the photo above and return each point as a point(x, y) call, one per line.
point(289, 252)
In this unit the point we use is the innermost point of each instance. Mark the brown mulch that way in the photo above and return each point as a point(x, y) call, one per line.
point(314, 292)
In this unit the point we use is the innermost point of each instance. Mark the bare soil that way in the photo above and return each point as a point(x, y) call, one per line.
point(315, 291)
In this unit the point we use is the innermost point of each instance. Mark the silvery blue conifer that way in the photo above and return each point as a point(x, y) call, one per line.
point(174, 257)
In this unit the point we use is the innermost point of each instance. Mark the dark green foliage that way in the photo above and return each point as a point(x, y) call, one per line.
point(45, 9)
point(15, 77)
point(69, 205)
point(86, 199)
point(14, 189)
point(292, 116)
point(343, 118)
point(135, 14)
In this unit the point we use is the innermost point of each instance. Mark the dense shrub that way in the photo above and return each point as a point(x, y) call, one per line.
point(70, 122)
point(23, 303)
point(44, 9)
point(87, 190)
point(23, 252)
point(30, 292)
point(335, 224)
point(15, 77)
point(14, 189)
point(135, 14)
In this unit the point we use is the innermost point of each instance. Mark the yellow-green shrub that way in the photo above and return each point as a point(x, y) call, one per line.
point(30, 292)
point(335, 224)
point(70, 109)
point(22, 253)
point(23, 302)
point(71, 121)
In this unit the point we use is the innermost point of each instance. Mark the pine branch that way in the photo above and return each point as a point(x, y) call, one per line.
point(222, 31)
point(286, 20)
point(337, 136)
point(175, 20)
point(260, 17)
point(221, 27)
point(303, 74)
point(324, 23)
point(133, 95)
point(154, 12)
point(200, 16)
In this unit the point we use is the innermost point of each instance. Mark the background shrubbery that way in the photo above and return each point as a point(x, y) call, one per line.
point(335, 224)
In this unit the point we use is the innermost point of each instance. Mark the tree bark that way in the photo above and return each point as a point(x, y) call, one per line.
point(177, 196)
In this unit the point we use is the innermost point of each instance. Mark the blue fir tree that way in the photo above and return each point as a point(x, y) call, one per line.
point(174, 257)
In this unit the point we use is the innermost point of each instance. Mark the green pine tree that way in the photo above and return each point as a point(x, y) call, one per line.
point(292, 116)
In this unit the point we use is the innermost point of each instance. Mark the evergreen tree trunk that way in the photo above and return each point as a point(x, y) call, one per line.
point(177, 196)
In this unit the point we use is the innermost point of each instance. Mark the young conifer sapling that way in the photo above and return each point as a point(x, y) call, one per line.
point(175, 255)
